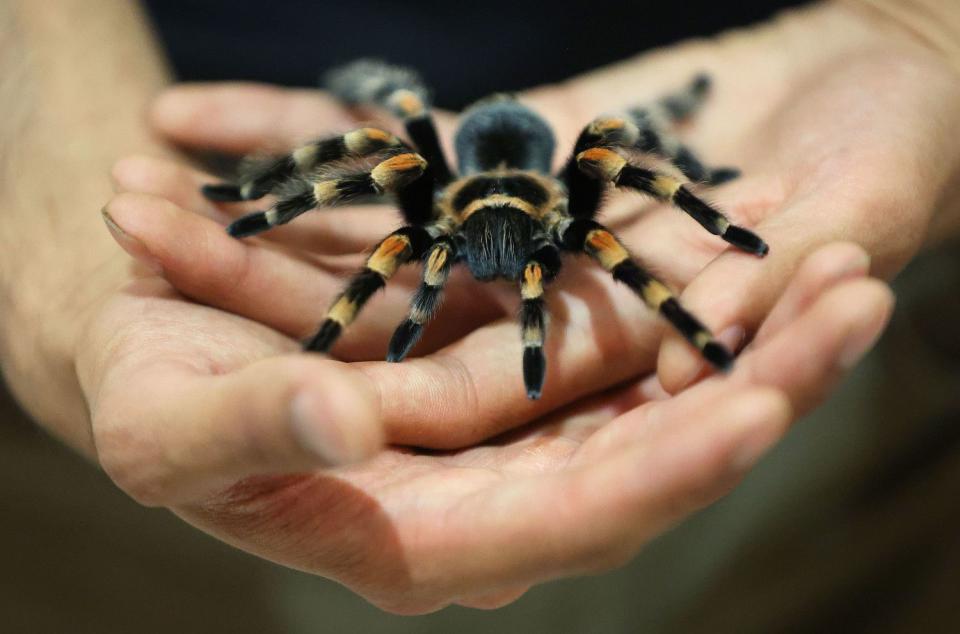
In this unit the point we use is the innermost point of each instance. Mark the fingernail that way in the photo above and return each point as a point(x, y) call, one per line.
point(859, 264)
point(317, 433)
point(732, 337)
point(131, 244)
point(861, 340)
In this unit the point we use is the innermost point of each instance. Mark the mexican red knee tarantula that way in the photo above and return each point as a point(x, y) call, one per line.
point(503, 214)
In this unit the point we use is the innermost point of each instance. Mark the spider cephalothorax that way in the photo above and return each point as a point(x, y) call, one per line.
point(503, 214)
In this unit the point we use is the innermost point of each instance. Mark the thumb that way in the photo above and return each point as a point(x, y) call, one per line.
point(167, 434)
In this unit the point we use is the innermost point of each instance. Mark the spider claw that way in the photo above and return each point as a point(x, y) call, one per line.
point(534, 371)
point(718, 356)
point(222, 193)
point(404, 338)
point(723, 175)
point(746, 240)
point(249, 225)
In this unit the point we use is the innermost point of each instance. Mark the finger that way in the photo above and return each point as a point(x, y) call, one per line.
point(824, 268)
point(201, 261)
point(171, 180)
point(684, 452)
point(328, 231)
point(269, 286)
point(803, 360)
point(688, 450)
point(735, 292)
point(494, 600)
point(808, 357)
point(169, 433)
point(597, 515)
point(241, 118)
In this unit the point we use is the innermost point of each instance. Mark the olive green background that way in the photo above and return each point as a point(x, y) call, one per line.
point(850, 525)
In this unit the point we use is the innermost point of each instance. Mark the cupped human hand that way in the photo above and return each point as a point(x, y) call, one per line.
point(281, 454)
point(414, 530)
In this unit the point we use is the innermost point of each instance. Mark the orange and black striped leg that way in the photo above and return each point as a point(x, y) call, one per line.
point(401, 91)
point(437, 265)
point(533, 317)
point(643, 131)
point(300, 195)
point(260, 177)
point(538, 271)
point(584, 194)
point(600, 244)
point(669, 111)
point(683, 104)
point(655, 142)
point(606, 164)
point(423, 133)
point(400, 247)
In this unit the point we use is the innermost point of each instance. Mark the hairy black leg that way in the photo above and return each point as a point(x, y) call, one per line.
point(540, 268)
point(655, 121)
point(605, 164)
point(640, 130)
point(259, 177)
point(584, 194)
point(437, 265)
point(684, 103)
point(401, 246)
point(299, 195)
point(402, 92)
point(423, 133)
point(652, 138)
point(647, 129)
point(592, 238)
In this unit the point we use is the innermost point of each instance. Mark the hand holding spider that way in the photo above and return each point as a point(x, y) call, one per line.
point(205, 412)
point(426, 402)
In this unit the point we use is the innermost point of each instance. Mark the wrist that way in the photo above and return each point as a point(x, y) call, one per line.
point(44, 317)
point(933, 24)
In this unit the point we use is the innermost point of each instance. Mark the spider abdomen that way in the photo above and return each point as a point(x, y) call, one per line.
point(502, 132)
point(496, 242)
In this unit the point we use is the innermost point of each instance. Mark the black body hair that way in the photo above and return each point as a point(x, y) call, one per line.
point(496, 242)
point(517, 185)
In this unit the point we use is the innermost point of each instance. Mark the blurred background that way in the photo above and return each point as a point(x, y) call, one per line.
point(848, 525)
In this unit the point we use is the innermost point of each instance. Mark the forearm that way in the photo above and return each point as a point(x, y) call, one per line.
point(75, 79)
point(934, 22)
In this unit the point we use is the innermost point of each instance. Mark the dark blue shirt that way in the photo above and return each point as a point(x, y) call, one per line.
point(465, 50)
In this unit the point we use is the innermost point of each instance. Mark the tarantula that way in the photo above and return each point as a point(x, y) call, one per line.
point(503, 213)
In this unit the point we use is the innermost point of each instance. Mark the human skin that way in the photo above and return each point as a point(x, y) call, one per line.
point(184, 400)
